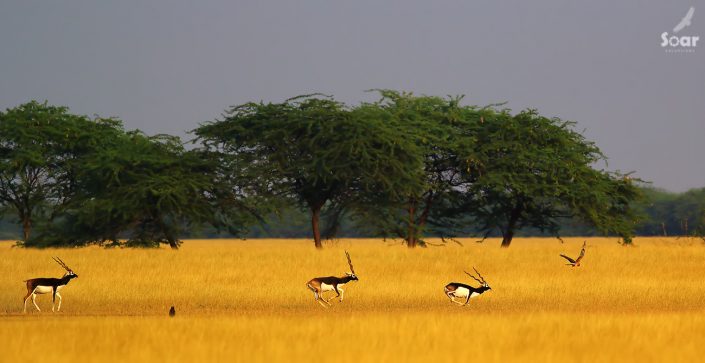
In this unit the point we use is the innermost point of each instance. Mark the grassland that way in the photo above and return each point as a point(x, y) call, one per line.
point(247, 301)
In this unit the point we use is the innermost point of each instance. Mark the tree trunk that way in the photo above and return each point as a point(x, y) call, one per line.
point(173, 241)
point(426, 210)
point(507, 238)
point(315, 217)
point(411, 232)
point(508, 233)
point(414, 227)
point(26, 228)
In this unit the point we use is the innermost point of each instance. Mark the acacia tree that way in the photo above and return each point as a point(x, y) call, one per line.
point(140, 188)
point(313, 151)
point(443, 131)
point(536, 171)
point(39, 145)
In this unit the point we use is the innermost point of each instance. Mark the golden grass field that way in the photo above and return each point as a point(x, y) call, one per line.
point(247, 301)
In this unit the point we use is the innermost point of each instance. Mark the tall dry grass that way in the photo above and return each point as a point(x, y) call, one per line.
point(247, 301)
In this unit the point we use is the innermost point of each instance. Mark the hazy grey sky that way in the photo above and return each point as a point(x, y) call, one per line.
point(165, 66)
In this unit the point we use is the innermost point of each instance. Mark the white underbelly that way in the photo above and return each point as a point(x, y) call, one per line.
point(326, 287)
point(46, 289)
point(463, 292)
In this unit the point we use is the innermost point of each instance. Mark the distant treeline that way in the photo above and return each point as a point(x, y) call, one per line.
point(664, 214)
point(672, 214)
point(405, 167)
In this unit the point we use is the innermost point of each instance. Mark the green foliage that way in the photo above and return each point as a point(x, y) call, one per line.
point(77, 181)
point(672, 214)
point(143, 189)
point(39, 146)
point(311, 151)
point(442, 132)
point(405, 166)
point(535, 171)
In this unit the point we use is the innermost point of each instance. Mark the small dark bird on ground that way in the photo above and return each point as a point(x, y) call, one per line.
point(172, 312)
point(576, 262)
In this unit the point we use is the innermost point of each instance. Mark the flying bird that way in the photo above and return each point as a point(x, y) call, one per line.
point(172, 312)
point(576, 262)
point(685, 21)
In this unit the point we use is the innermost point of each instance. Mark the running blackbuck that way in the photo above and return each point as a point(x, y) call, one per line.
point(456, 289)
point(45, 285)
point(575, 262)
point(319, 285)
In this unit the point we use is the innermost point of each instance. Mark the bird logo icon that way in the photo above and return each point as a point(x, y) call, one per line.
point(686, 21)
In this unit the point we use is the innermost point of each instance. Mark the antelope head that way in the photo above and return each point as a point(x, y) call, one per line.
point(69, 271)
point(481, 279)
point(352, 270)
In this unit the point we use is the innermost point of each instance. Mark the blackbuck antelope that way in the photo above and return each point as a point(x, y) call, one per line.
point(45, 285)
point(456, 289)
point(576, 262)
point(319, 285)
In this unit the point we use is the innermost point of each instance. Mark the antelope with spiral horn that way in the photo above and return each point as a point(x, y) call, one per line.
point(319, 285)
point(457, 289)
point(45, 285)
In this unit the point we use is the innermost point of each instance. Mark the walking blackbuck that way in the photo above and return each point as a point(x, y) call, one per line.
point(45, 285)
point(319, 285)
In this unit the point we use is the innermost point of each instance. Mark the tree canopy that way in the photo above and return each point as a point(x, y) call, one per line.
point(78, 181)
point(406, 166)
point(313, 151)
point(443, 132)
point(534, 171)
point(40, 151)
point(141, 189)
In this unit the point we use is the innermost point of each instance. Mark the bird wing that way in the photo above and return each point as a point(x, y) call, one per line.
point(685, 21)
point(568, 258)
point(582, 254)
